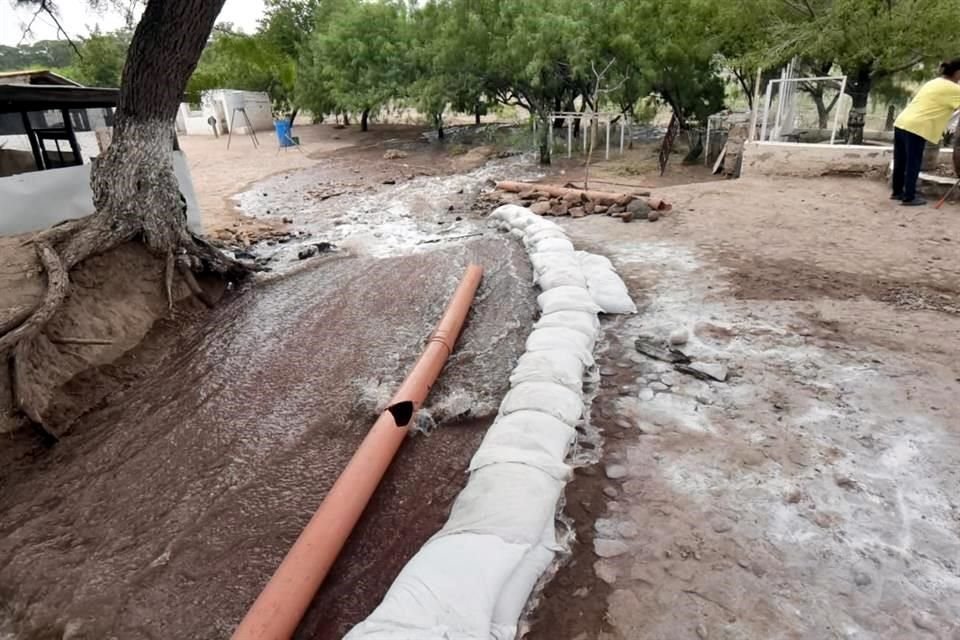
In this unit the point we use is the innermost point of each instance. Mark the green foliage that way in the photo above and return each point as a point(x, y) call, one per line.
point(358, 59)
point(245, 62)
point(101, 59)
point(43, 54)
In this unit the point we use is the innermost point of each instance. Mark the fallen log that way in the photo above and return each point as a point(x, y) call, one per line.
point(606, 198)
point(599, 197)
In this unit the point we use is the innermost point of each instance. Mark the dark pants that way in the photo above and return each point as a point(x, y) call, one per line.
point(907, 158)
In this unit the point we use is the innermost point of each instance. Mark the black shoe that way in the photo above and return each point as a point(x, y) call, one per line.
point(916, 202)
point(896, 196)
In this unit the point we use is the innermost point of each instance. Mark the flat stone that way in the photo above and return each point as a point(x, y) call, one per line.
point(679, 337)
point(721, 525)
point(610, 492)
point(577, 212)
point(607, 371)
point(606, 571)
point(716, 371)
point(616, 471)
point(541, 207)
point(659, 386)
point(609, 548)
point(628, 529)
point(646, 394)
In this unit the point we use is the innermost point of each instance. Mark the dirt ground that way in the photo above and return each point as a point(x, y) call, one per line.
point(814, 493)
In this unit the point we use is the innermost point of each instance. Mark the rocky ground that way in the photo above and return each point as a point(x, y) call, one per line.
point(813, 493)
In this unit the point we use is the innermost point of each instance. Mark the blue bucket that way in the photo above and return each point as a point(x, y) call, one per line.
point(283, 132)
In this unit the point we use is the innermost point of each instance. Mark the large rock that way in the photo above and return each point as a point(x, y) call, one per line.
point(638, 208)
point(540, 208)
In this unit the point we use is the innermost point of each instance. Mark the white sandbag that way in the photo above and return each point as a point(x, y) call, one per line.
point(608, 291)
point(513, 598)
point(594, 261)
point(553, 259)
point(448, 590)
point(582, 321)
point(553, 244)
point(567, 299)
point(561, 339)
point(533, 438)
point(541, 225)
point(552, 365)
point(517, 233)
point(548, 397)
point(507, 500)
point(508, 212)
point(534, 235)
point(560, 275)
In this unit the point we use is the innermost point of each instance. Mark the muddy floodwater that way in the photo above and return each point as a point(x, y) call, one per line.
point(161, 514)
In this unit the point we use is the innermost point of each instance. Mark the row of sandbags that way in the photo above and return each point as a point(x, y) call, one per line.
point(473, 578)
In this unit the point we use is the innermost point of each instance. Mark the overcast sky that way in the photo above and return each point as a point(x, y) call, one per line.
point(78, 19)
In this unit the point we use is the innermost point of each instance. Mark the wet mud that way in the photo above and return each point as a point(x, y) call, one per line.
point(162, 513)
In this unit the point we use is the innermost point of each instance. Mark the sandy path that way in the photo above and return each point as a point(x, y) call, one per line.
point(813, 495)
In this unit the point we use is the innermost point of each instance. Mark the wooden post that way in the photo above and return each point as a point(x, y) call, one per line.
point(623, 119)
point(569, 136)
point(607, 153)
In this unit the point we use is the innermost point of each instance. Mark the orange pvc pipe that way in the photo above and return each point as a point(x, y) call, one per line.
point(278, 609)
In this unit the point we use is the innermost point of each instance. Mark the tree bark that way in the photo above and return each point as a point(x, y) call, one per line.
point(293, 116)
point(476, 115)
point(545, 151)
point(859, 90)
point(134, 188)
point(438, 122)
point(891, 118)
point(364, 118)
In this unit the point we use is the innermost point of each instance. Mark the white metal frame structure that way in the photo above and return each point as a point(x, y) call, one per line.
point(604, 118)
point(786, 93)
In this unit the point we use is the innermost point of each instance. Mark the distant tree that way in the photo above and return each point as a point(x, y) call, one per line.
point(360, 61)
point(101, 59)
point(870, 40)
point(45, 54)
point(247, 62)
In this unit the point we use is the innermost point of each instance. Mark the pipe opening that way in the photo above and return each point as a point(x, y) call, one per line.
point(402, 412)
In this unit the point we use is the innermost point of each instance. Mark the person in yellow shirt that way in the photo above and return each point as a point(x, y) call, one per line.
point(922, 122)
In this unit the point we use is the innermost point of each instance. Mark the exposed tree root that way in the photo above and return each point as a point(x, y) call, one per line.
point(63, 247)
point(57, 281)
point(183, 266)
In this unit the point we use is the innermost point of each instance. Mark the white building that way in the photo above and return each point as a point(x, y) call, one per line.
point(224, 106)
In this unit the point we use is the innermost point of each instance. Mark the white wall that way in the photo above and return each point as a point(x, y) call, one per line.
point(220, 104)
point(40, 199)
point(808, 160)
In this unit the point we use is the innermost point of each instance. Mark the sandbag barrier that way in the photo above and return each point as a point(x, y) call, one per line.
point(472, 579)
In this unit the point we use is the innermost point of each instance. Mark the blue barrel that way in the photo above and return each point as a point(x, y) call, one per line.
point(283, 132)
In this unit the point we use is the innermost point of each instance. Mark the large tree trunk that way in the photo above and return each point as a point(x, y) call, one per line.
point(859, 90)
point(544, 142)
point(476, 115)
point(135, 190)
point(134, 187)
point(364, 118)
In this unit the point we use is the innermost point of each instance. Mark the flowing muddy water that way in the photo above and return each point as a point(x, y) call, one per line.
point(163, 512)
point(329, 203)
